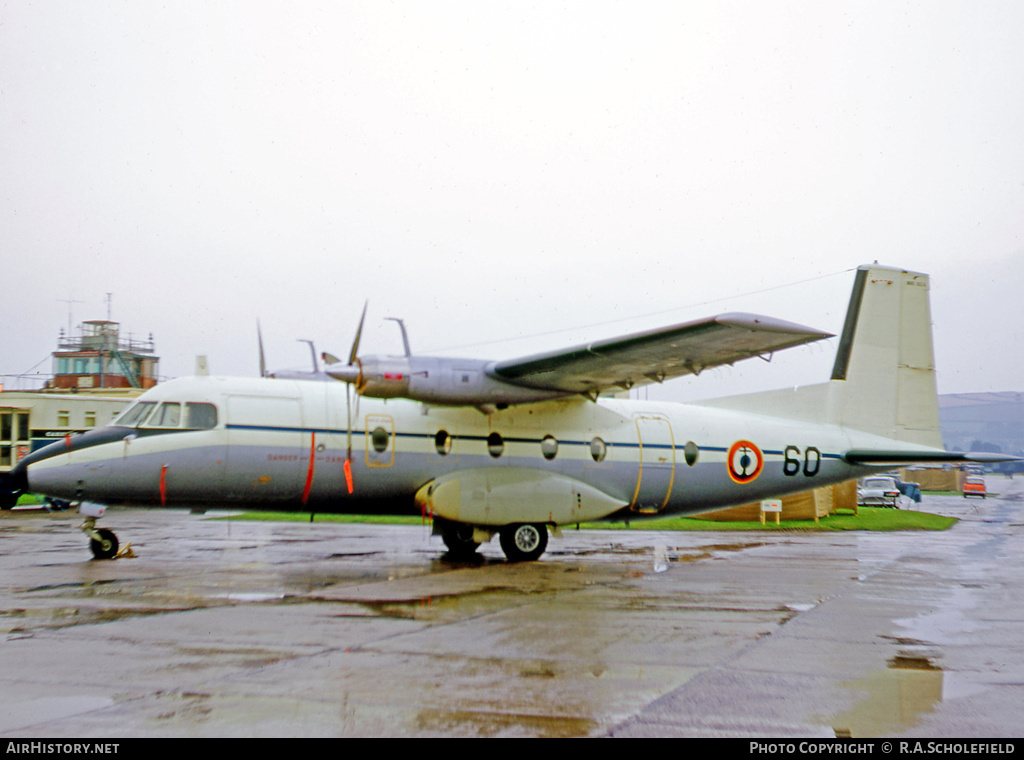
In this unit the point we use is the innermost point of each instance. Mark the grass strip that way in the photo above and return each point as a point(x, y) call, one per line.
point(867, 518)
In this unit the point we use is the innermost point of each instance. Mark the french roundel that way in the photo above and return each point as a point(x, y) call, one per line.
point(745, 462)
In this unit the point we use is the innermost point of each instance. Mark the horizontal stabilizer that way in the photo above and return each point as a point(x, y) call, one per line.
point(875, 457)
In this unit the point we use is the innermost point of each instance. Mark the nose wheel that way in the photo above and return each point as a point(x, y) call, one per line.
point(105, 546)
point(103, 542)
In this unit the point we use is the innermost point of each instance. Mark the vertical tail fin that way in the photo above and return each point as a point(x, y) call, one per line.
point(883, 380)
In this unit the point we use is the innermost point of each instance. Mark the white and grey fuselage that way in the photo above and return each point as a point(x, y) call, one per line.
point(289, 444)
point(283, 444)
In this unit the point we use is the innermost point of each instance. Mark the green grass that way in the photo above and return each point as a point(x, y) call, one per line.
point(867, 518)
point(324, 517)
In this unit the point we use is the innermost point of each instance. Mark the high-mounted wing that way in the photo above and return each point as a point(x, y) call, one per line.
point(655, 355)
point(636, 359)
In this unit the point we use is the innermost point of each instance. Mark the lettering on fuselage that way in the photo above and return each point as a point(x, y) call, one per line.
point(792, 464)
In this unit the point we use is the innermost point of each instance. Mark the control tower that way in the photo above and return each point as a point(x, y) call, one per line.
point(99, 358)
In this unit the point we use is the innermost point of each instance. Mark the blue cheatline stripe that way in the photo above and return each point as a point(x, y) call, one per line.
point(483, 438)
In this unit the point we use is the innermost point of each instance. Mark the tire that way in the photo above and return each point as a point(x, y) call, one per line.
point(524, 542)
point(458, 537)
point(8, 500)
point(106, 547)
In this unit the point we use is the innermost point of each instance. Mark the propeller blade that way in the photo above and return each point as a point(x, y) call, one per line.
point(348, 414)
point(359, 333)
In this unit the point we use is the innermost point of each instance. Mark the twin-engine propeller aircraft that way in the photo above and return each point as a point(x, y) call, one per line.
point(516, 447)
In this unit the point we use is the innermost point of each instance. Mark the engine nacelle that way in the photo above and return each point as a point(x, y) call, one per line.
point(435, 380)
point(384, 377)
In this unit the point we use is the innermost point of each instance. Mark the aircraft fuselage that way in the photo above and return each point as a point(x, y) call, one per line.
point(283, 444)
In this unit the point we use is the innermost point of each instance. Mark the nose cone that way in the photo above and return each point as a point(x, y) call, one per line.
point(60, 468)
point(347, 373)
point(45, 471)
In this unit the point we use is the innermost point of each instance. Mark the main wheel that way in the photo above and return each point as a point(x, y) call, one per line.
point(458, 537)
point(106, 547)
point(524, 542)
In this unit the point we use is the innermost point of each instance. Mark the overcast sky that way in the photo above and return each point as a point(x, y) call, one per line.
point(489, 171)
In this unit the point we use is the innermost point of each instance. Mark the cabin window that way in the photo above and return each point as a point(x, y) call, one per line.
point(200, 416)
point(598, 450)
point(63, 418)
point(379, 438)
point(443, 442)
point(495, 445)
point(549, 447)
point(90, 419)
point(168, 415)
point(690, 453)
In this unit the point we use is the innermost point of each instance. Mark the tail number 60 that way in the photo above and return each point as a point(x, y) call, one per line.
point(809, 463)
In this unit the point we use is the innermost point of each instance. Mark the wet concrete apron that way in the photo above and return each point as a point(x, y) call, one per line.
point(222, 628)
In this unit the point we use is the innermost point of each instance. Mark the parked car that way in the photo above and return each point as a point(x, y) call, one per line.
point(911, 490)
point(974, 486)
point(878, 492)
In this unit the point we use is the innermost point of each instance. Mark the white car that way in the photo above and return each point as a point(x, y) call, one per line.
point(878, 492)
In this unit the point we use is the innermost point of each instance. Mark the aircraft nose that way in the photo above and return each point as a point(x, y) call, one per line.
point(44, 471)
point(53, 471)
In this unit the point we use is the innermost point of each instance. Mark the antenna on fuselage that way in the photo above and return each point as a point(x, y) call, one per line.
point(405, 337)
point(312, 349)
point(263, 361)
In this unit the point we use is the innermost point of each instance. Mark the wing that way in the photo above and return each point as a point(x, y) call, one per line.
point(656, 355)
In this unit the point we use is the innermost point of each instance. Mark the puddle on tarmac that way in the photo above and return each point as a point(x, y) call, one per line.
point(24, 621)
point(896, 698)
point(444, 607)
point(487, 724)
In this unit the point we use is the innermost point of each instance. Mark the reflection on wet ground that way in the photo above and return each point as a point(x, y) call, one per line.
point(222, 628)
point(894, 698)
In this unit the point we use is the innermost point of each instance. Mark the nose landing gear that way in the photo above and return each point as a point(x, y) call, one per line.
point(103, 542)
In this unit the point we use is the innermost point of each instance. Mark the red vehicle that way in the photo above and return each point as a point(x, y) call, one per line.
point(974, 486)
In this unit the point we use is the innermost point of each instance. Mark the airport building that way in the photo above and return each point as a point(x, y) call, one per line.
point(95, 375)
point(100, 358)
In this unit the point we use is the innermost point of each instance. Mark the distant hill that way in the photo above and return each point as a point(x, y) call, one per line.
point(983, 422)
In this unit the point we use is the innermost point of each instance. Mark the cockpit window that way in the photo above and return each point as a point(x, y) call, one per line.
point(197, 415)
point(168, 415)
point(135, 414)
point(200, 416)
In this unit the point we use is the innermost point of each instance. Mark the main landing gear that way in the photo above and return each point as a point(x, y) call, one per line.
point(521, 542)
point(458, 537)
point(524, 542)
